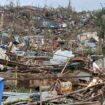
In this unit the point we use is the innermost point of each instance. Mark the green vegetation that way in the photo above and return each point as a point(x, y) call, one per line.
point(100, 22)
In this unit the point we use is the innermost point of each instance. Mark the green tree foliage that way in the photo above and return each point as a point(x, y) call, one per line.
point(100, 22)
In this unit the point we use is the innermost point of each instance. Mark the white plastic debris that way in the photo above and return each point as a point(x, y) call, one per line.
point(95, 81)
point(61, 56)
point(95, 67)
point(3, 56)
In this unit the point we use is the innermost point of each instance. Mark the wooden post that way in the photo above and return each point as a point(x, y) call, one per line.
point(2, 20)
point(40, 92)
point(1, 23)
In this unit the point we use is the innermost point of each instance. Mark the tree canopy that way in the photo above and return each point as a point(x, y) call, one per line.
point(100, 22)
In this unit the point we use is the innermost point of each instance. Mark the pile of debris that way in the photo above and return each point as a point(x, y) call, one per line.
point(35, 55)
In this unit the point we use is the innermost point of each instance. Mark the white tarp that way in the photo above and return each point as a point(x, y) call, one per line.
point(3, 56)
point(87, 36)
point(61, 56)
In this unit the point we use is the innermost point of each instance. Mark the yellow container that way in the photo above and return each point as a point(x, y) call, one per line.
point(65, 87)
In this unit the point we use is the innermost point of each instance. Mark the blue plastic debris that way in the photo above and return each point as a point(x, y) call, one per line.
point(1, 89)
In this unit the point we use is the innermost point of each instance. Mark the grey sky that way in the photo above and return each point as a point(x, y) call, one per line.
point(77, 4)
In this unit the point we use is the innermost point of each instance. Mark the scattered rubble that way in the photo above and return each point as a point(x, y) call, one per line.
point(50, 56)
